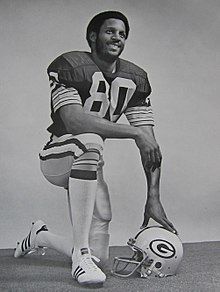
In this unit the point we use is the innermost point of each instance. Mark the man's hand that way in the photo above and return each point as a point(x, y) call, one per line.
point(149, 149)
point(154, 210)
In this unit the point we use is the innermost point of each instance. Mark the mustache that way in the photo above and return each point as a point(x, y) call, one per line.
point(118, 43)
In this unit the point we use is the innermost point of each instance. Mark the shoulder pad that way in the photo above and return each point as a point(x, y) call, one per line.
point(70, 60)
point(127, 66)
point(77, 58)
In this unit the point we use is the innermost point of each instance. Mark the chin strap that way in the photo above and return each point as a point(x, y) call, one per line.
point(146, 271)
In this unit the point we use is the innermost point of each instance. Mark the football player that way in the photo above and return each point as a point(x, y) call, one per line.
point(89, 93)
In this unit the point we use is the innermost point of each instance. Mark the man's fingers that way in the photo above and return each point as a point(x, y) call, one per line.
point(145, 222)
point(163, 221)
point(171, 225)
point(166, 225)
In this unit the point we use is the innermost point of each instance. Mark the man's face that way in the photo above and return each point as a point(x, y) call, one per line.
point(111, 39)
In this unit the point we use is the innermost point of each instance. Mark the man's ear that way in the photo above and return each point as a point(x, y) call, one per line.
point(93, 36)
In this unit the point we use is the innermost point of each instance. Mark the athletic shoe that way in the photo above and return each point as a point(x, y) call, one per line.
point(85, 271)
point(28, 244)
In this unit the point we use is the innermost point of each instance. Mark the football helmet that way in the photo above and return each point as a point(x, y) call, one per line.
point(157, 252)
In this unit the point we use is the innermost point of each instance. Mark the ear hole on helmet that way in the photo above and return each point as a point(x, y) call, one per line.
point(138, 256)
point(158, 265)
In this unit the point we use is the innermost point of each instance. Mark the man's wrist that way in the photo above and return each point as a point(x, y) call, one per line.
point(153, 192)
point(136, 133)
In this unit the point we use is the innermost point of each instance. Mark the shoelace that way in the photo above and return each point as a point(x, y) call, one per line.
point(89, 263)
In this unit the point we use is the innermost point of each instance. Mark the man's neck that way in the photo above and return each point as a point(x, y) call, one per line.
point(104, 66)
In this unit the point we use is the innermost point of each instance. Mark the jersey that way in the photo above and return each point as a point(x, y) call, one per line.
point(76, 79)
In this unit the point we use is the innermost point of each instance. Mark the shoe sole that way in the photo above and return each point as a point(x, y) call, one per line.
point(92, 284)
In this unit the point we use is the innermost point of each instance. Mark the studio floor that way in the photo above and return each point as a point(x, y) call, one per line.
point(199, 271)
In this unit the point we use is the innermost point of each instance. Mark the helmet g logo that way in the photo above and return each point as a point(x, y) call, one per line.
point(162, 248)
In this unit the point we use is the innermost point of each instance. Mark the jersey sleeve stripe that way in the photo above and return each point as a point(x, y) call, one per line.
point(65, 102)
point(63, 96)
point(63, 90)
point(144, 123)
point(139, 113)
point(140, 116)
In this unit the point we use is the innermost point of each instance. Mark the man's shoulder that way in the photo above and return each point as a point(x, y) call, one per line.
point(131, 68)
point(70, 60)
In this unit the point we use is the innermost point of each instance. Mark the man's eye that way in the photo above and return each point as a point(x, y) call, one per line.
point(109, 31)
point(122, 35)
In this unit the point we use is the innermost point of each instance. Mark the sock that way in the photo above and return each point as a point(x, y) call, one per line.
point(82, 199)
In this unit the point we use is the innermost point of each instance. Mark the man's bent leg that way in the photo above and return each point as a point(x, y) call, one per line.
point(82, 189)
point(99, 230)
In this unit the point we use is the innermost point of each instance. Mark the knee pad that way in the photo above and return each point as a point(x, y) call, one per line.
point(85, 166)
point(91, 140)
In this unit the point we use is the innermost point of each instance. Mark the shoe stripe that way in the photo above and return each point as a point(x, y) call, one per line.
point(24, 244)
point(79, 274)
point(26, 241)
point(78, 271)
point(75, 271)
point(29, 239)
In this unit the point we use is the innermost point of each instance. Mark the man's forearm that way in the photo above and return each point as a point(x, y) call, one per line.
point(77, 122)
point(153, 182)
point(86, 123)
point(152, 175)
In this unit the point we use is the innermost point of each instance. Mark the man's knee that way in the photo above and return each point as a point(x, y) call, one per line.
point(91, 141)
point(85, 166)
point(58, 156)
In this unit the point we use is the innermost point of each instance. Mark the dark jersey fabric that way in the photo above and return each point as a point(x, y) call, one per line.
point(76, 70)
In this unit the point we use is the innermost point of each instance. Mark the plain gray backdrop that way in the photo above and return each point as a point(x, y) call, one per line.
point(177, 43)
